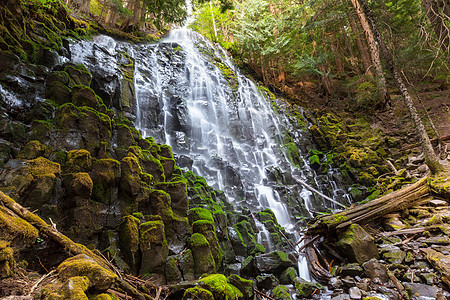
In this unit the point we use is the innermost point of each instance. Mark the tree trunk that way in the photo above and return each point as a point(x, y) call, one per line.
point(431, 158)
point(374, 53)
point(438, 12)
point(362, 47)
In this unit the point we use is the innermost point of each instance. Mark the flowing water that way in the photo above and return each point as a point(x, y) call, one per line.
point(219, 124)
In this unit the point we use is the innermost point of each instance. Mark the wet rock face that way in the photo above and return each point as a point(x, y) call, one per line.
point(358, 244)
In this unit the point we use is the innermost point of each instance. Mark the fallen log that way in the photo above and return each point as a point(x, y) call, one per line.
point(70, 246)
point(364, 213)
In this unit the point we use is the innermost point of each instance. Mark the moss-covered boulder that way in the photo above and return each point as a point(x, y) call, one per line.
point(78, 184)
point(244, 285)
point(357, 244)
point(78, 74)
point(201, 251)
point(100, 278)
point(171, 271)
point(274, 262)
point(126, 136)
point(288, 275)
point(84, 96)
point(208, 230)
point(129, 241)
point(177, 189)
point(79, 160)
point(161, 205)
point(58, 92)
point(149, 163)
point(105, 176)
point(302, 287)
point(79, 128)
point(33, 150)
point(197, 293)
point(153, 246)
point(221, 288)
point(33, 180)
point(130, 175)
point(280, 292)
point(186, 264)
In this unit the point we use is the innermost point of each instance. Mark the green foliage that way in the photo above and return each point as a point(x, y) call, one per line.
point(167, 11)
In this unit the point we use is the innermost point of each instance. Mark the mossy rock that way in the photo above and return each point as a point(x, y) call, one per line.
point(84, 96)
point(357, 244)
point(100, 278)
point(219, 285)
point(288, 276)
point(303, 288)
point(274, 262)
point(244, 285)
point(203, 257)
point(280, 292)
point(80, 128)
point(41, 165)
point(199, 213)
point(153, 246)
point(161, 205)
point(33, 150)
point(149, 163)
point(78, 74)
point(208, 230)
point(177, 189)
point(171, 271)
point(130, 177)
point(440, 183)
point(105, 175)
point(197, 293)
point(78, 161)
point(129, 240)
point(78, 184)
point(58, 92)
point(103, 297)
point(125, 136)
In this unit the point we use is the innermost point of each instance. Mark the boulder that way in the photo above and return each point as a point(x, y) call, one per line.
point(303, 288)
point(153, 245)
point(393, 254)
point(244, 285)
point(357, 244)
point(84, 96)
point(6, 259)
point(267, 281)
point(100, 278)
point(197, 293)
point(280, 292)
point(288, 275)
point(78, 184)
point(129, 240)
point(274, 262)
point(375, 269)
point(220, 287)
point(201, 251)
point(421, 290)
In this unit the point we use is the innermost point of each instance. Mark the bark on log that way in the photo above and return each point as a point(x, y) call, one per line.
point(314, 266)
point(398, 200)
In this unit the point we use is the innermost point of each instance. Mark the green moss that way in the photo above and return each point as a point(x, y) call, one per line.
point(16, 229)
point(198, 240)
point(244, 285)
point(229, 75)
point(153, 232)
point(280, 292)
point(32, 150)
point(199, 213)
point(197, 293)
point(82, 265)
point(220, 287)
point(129, 239)
point(78, 161)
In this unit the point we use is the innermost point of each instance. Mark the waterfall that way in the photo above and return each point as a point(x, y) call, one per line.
point(219, 123)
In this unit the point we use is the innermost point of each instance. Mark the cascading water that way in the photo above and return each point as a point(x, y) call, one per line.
point(219, 124)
